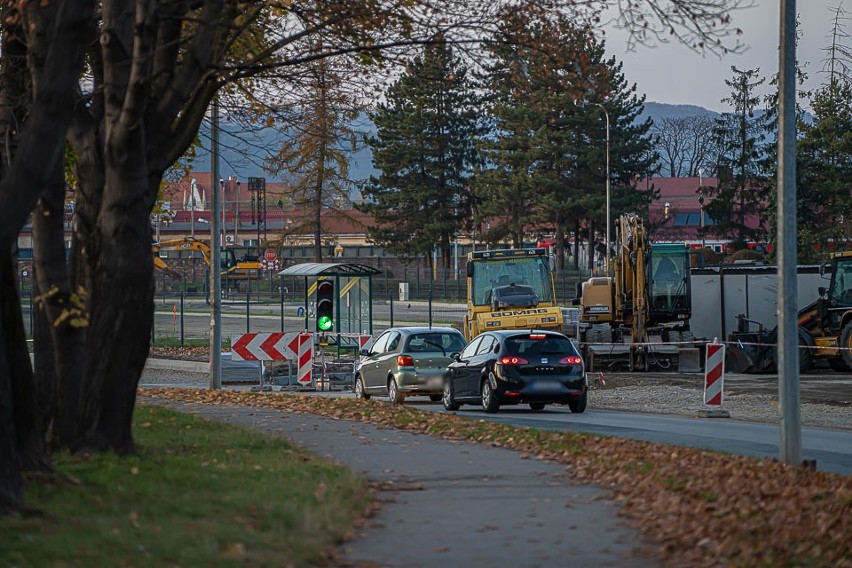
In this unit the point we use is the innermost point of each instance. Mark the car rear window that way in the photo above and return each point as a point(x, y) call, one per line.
point(545, 345)
point(437, 342)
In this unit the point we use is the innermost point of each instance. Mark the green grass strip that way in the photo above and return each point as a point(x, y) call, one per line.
point(199, 493)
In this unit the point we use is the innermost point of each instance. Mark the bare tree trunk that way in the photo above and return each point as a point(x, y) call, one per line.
point(65, 311)
point(577, 244)
point(559, 236)
point(86, 139)
point(445, 252)
point(11, 483)
point(44, 375)
point(32, 449)
point(122, 300)
point(318, 213)
point(591, 263)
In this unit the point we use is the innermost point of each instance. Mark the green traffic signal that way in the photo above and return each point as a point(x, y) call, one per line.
point(325, 323)
point(325, 305)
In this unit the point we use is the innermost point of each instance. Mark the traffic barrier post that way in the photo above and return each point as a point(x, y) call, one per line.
point(714, 380)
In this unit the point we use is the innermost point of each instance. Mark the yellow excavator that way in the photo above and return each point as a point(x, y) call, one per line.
point(825, 329)
point(510, 289)
point(643, 306)
point(232, 269)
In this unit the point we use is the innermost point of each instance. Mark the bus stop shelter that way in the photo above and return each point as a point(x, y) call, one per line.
point(353, 305)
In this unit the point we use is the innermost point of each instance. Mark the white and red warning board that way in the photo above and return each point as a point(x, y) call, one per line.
point(294, 346)
point(714, 374)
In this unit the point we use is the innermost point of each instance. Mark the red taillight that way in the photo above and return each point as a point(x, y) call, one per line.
point(537, 336)
point(512, 361)
point(405, 360)
point(571, 360)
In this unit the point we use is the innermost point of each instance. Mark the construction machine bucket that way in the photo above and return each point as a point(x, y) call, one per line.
point(737, 360)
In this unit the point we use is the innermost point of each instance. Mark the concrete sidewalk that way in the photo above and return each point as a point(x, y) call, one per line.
point(449, 503)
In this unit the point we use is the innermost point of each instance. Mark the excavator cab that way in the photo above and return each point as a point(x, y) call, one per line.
point(670, 290)
point(840, 289)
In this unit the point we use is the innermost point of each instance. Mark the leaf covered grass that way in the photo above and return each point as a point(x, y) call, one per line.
point(199, 493)
point(702, 508)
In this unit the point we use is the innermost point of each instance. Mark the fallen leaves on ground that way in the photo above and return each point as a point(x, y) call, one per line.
point(189, 353)
point(702, 508)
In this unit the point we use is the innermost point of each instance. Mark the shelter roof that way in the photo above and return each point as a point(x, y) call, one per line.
point(329, 269)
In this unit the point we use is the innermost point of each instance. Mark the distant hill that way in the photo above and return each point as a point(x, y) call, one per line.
point(243, 153)
point(659, 111)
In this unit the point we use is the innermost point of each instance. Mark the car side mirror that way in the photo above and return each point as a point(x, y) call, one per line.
point(456, 356)
point(364, 352)
point(822, 290)
point(469, 269)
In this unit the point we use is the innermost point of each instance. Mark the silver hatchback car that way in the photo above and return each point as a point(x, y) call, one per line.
point(407, 361)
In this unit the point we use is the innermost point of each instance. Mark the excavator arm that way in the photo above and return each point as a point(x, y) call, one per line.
point(178, 244)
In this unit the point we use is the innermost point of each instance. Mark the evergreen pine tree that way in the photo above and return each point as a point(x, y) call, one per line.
point(824, 172)
point(545, 164)
point(424, 150)
point(741, 166)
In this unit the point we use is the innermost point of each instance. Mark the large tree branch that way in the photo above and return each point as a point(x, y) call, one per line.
point(197, 61)
point(136, 99)
point(42, 142)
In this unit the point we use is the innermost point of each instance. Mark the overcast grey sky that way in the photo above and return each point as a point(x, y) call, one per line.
point(673, 74)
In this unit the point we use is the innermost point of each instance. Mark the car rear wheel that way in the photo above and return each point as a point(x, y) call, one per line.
point(578, 405)
point(435, 397)
point(537, 405)
point(447, 398)
point(360, 393)
point(394, 395)
point(489, 399)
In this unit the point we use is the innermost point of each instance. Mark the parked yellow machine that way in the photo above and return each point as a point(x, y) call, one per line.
point(645, 303)
point(232, 269)
point(825, 329)
point(510, 289)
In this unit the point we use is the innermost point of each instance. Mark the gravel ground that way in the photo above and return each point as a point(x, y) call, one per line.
point(686, 401)
point(658, 399)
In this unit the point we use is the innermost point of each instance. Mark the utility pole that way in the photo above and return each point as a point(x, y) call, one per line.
point(215, 253)
point(788, 340)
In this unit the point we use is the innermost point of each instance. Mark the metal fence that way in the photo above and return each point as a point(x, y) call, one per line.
point(277, 303)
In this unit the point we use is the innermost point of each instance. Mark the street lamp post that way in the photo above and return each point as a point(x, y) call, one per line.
point(224, 232)
point(701, 204)
point(608, 240)
point(237, 214)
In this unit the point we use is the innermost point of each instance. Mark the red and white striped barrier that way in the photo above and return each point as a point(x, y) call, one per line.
point(305, 357)
point(714, 374)
point(276, 347)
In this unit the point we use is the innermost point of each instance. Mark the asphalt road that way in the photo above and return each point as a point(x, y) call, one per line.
point(831, 449)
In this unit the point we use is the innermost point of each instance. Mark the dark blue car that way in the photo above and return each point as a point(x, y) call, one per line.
point(517, 367)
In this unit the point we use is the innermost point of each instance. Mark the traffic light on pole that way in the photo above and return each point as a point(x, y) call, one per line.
point(325, 306)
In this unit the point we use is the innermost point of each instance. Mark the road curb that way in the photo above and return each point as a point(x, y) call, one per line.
point(177, 365)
